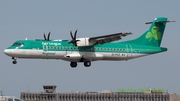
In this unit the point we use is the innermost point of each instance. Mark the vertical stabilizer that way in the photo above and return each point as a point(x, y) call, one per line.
point(154, 35)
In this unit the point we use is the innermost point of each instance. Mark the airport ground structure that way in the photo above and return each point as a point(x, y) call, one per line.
point(51, 95)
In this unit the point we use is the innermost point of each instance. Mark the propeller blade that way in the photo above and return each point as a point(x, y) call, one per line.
point(48, 36)
point(71, 35)
point(44, 36)
point(75, 34)
point(73, 41)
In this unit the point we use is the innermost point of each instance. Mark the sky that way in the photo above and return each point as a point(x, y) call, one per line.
point(20, 19)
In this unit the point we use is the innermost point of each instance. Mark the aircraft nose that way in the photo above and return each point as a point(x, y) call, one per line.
point(7, 51)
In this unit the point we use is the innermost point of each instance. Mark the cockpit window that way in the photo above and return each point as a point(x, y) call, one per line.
point(18, 44)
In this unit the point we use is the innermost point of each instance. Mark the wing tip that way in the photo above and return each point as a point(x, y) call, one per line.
point(126, 33)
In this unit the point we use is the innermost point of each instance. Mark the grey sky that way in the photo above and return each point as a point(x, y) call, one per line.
point(29, 19)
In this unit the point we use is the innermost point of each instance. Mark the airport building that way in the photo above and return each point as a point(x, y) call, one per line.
point(50, 94)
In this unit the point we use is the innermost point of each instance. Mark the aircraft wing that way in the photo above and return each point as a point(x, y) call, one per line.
point(108, 38)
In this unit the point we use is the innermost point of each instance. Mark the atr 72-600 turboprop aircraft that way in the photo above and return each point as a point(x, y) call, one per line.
point(91, 49)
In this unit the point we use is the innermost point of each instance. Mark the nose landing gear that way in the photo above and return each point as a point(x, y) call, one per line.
point(14, 60)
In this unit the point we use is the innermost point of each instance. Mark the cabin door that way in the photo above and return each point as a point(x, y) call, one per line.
point(35, 49)
point(129, 51)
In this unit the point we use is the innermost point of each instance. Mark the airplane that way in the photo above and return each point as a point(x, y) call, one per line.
point(89, 49)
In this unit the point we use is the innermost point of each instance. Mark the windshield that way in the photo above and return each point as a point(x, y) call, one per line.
point(18, 44)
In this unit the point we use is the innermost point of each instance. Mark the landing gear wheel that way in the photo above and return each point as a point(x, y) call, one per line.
point(73, 64)
point(87, 63)
point(14, 62)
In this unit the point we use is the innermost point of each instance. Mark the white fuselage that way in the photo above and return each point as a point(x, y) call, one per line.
point(74, 56)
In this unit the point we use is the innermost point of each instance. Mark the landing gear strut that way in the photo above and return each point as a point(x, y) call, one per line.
point(87, 63)
point(14, 60)
point(73, 64)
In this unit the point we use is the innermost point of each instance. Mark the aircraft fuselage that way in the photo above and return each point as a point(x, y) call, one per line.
point(39, 49)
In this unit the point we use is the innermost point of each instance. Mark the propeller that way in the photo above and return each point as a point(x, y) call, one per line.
point(73, 41)
point(47, 38)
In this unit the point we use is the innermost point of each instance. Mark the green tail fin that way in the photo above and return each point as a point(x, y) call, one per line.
point(154, 35)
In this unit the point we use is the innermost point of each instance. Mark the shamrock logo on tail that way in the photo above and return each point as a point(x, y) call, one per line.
point(154, 34)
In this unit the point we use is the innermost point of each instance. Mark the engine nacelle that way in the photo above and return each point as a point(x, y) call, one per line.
point(84, 42)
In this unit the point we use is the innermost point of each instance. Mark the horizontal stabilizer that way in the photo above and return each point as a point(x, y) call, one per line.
point(160, 21)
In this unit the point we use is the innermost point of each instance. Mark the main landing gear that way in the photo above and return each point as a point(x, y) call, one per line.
point(73, 64)
point(14, 60)
point(86, 64)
